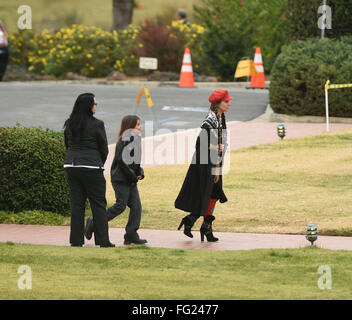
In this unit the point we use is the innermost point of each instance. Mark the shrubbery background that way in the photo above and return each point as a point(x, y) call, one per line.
point(224, 31)
point(88, 51)
point(31, 170)
point(233, 29)
point(93, 52)
point(301, 71)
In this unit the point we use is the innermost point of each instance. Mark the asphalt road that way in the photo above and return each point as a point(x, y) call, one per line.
point(49, 104)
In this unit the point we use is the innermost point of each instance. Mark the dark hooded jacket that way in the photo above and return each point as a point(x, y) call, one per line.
point(126, 166)
point(198, 186)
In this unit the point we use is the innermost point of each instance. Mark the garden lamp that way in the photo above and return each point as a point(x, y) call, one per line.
point(312, 233)
point(281, 131)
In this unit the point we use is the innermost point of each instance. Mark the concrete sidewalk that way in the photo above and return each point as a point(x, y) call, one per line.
point(59, 235)
point(243, 135)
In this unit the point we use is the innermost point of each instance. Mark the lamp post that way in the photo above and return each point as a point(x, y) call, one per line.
point(281, 130)
point(311, 233)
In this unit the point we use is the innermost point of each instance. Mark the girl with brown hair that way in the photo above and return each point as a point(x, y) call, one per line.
point(125, 174)
point(202, 187)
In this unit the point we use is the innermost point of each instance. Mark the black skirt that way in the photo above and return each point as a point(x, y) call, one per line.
point(217, 192)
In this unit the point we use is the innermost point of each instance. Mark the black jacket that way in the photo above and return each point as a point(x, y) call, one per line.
point(198, 186)
point(92, 147)
point(126, 166)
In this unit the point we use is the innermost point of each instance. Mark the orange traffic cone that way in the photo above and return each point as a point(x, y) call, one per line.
point(258, 81)
point(186, 77)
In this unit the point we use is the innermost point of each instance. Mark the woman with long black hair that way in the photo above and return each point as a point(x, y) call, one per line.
point(202, 187)
point(86, 152)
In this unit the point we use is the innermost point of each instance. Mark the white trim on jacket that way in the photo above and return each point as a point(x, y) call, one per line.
point(82, 166)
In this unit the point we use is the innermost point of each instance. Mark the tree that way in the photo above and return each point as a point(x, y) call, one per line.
point(122, 13)
point(234, 28)
point(303, 18)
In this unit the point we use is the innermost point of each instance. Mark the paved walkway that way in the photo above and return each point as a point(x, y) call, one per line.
point(242, 135)
point(59, 235)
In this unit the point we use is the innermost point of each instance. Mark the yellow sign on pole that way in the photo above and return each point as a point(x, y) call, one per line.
point(332, 86)
point(245, 68)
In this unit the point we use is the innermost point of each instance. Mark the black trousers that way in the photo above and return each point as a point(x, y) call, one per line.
point(87, 183)
point(3, 63)
point(127, 195)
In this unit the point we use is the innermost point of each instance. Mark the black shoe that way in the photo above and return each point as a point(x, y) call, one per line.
point(137, 241)
point(108, 245)
point(207, 230)
point(88, 231)
point(76, 245)
point(188, 222)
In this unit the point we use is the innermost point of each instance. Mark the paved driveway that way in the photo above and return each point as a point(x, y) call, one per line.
point(49, 104)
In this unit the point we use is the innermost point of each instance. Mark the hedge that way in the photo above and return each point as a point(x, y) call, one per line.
point(300, 72)
point(33, 217)
point(31, 170)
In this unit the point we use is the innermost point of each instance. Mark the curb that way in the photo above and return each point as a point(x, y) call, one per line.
point(270, 116)
point(151, 84)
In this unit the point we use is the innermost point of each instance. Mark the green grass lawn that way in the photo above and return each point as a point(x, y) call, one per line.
point(141, 272)
point(62, 13)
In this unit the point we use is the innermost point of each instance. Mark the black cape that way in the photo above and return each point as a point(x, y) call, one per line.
point(198, 186)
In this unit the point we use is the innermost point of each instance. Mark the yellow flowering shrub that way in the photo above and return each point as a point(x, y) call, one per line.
point(192, 39)
point(93, 52)
point(85, 50)
point(191, 32)
point(125, 52)
point(20, 44)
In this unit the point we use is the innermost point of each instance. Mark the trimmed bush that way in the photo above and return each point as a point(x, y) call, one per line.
point(31, 170)
point(300, 72)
